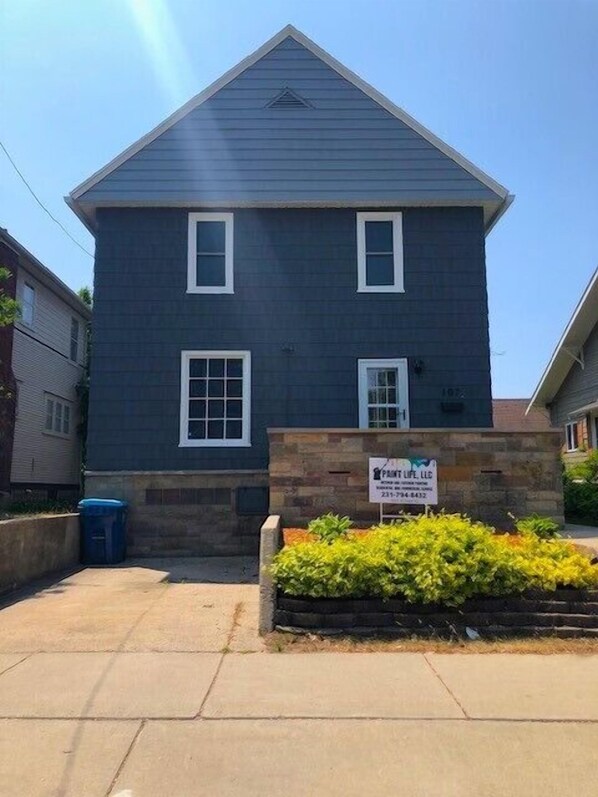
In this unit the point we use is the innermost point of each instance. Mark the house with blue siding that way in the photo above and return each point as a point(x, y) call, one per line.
point(289, 249)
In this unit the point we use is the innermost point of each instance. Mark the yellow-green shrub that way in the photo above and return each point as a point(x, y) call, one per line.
point(435, 559)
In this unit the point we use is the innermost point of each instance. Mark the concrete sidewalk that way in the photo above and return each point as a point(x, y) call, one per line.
point(116, 682)
point(145, 724)
point(584, 535)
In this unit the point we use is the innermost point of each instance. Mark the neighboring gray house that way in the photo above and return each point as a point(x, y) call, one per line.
point(42, 358)
point(289, 249)
point(569, 384)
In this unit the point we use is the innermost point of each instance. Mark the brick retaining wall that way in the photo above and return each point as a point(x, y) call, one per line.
point(484, 473)
point(563, 613)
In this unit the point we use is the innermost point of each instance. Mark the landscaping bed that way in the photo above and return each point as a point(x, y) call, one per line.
point(434, 576)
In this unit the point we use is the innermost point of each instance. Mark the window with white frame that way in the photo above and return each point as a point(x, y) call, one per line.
point(380, 252)
point(74, 339)
point(383, 394)
point(215, 398)
point(210, 253)
point(28, 305)
point(572, 436)
point(58, 416)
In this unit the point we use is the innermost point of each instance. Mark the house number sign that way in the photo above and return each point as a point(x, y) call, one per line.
point(403, 481)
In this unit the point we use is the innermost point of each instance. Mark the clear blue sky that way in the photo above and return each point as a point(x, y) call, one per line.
point(512, 84)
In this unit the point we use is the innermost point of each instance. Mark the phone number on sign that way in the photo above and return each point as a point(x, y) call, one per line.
point(398, 496)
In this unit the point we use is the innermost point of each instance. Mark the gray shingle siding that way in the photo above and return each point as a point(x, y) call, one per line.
point(581, 384)
point(344, 147)
point(295, 285)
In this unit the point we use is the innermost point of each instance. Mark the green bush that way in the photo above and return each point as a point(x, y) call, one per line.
point(328, 528)
point(581, 500)
point(587, 470)
point(543, 527)
point(435, 559)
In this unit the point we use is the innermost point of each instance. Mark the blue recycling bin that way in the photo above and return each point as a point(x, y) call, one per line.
point(103, 524)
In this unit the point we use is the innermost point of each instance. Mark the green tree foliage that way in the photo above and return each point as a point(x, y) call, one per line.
point(9, 307)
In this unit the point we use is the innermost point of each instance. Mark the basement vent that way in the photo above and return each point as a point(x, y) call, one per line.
point(287, 99)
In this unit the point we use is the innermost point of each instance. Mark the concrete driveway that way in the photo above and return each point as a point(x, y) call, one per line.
point(118, 682)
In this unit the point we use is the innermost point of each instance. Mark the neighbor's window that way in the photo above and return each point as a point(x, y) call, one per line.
point(572, 433)
point(215, 398)
point(74, 340)
point(58, 416)
point(383, 394)
point(210, 253)
point(28, 305)
point(380, 252)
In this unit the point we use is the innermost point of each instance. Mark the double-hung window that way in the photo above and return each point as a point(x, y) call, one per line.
point(74, 340)
point(210, 253)
point(58, 416)
point(28, 305)
point(215, 398)
point(572, 435)
point(380, 252)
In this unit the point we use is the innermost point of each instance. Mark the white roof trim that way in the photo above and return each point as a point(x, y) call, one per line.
point(575, 335)
point(287, 31)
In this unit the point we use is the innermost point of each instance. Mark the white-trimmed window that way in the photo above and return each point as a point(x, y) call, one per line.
point(58, 416)
point(572, 436)
point(74, 353)
point(383, 394)
point(28, 305)
point(380, 252)
point(215, 398)
point(210, 253)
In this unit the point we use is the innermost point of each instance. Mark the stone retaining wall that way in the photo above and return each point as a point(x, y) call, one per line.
point(188, 513)
point(484, 473)
point(564, 613)
point(33, 546)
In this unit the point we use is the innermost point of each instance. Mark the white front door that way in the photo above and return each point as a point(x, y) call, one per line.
point(383, 394)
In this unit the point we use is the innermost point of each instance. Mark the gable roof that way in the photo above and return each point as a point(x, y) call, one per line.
point(510, 415)
point(469, 185)
point(567, 351)
point(42, 273)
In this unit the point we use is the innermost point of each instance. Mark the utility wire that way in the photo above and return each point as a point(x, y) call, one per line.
point(41, 204)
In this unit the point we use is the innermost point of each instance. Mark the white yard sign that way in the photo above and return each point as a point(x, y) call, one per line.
point(403, 481)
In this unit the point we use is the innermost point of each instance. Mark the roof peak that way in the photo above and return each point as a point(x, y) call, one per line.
point(503, 198)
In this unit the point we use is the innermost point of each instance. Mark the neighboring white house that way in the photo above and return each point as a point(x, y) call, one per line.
point(49, 343)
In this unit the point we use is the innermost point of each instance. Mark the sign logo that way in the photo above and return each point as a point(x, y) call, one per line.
point(403, 481)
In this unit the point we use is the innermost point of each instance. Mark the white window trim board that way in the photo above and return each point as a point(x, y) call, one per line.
point(398, 285)
point(401, 364)
point(245, 441)
point(65, 404)
point(192, 286)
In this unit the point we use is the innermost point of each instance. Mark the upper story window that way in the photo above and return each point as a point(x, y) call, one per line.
point(58, 416)
point(74, 354)
point(380, 252)
point(28, 305)
point(210, 253)
point(215, 398)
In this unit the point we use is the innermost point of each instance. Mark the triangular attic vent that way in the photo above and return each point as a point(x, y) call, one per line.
point(287, 99)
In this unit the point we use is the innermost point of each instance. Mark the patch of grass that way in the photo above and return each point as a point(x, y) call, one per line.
point(14, 509)
point(278, 642)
